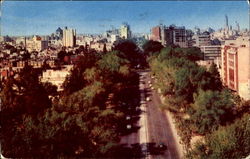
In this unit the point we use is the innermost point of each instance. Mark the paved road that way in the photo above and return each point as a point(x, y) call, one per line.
point(159, 126)
point(155, 126)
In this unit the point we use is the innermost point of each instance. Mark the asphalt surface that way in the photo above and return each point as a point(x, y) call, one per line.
point(155, 126)
point(159, 128)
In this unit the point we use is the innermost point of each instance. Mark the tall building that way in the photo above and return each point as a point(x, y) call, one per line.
point(156, 34)
point(171, 35)
point(176, 36)
point(226, 22)
point(59, 33)
point(236, 65)
point(237, 26)
point(211, 52)
point(163, 34)
point(114, 38)
point(202, 39)
point(69, 37)
point(125, 31)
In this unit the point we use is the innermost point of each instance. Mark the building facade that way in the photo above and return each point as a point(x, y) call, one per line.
point(125, 32)
point(211, 52)
point(156, 34)
point(236, 66)
point(56, 77)
point(69, 37)
point(202, 39)
point(36, 44)
point(171, 35)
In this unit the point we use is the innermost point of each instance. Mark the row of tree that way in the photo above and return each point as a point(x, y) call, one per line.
point(82, 121)
point(202, 106)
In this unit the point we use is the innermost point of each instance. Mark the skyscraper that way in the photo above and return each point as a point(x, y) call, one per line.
point(237, 26)
point(69, 37)
point(59, 33)
point(226, 22)
point(125, 31)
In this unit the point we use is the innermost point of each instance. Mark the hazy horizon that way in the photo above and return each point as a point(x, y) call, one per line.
point(95, 17)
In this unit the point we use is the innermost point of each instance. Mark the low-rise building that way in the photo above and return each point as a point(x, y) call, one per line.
point(99, 46)
point(36, 44)
point(56, 77)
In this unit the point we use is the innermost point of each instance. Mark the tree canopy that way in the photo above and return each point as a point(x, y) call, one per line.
point(151, 46)
point(211, 109)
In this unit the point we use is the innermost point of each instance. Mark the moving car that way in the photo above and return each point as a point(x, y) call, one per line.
point(148, 99)
point(161, 146)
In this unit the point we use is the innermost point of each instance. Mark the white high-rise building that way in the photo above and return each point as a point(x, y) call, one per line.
point(69, 37)
point(125, 31)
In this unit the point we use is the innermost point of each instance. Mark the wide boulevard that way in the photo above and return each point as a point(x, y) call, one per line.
point(155, 126)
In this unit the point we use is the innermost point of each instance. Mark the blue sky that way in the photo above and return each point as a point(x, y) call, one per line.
point(44, 17)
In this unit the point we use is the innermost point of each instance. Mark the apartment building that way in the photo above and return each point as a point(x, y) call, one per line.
point(236, 65)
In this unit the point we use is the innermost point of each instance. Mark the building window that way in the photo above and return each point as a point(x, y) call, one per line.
point(231, 75)
point(231, 63)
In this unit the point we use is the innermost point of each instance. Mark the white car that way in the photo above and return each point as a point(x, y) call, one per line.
point(148, 99)
point(128, 117)
point(129, 126)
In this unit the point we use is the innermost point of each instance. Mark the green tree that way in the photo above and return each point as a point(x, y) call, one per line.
point(111, 62)
point(21, 97)
point(231, 141)
point(127, 49)
point(151, 46)
point(192, 54)
point(216, 83)
point(75, 81)
point(8, 95)
point(51, 90)
point(211, 109)
point(165, 53)
point(104, 48)
point(183, 86)
point(61, 55)
point(33, 95)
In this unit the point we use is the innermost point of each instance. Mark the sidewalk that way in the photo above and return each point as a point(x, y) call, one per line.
point(177, 137)
point(171, 120)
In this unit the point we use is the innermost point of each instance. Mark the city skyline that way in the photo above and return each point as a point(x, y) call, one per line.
point(30, 18)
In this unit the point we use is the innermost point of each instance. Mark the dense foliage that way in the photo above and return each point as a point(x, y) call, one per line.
point(231, 141)
point(82, 121)
point(201, 105)
point(87, 118)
